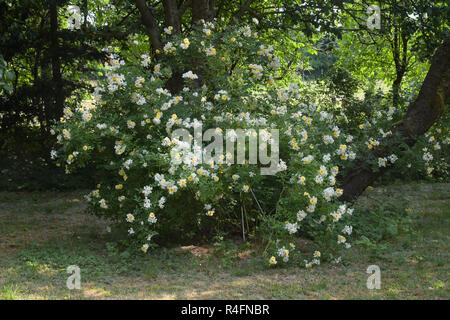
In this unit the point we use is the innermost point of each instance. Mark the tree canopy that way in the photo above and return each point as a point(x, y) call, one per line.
point(49, 62)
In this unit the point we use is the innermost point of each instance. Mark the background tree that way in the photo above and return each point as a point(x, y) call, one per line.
point(54, 66)
point(409, 34)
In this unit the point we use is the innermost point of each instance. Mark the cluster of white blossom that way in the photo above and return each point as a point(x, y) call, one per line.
point(151, 168)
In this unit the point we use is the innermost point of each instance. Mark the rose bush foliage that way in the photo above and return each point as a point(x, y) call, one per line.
point(229, 81)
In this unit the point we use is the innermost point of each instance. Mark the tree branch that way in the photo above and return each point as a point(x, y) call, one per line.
point(149, 21)
point(242, 10)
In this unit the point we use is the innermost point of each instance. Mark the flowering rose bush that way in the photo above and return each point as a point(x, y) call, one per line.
point(370, 123)
point(219, 78)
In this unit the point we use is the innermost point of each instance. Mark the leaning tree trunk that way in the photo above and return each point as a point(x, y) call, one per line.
point(428, 107)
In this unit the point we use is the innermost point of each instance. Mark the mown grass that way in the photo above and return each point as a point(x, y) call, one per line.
point(42, 233)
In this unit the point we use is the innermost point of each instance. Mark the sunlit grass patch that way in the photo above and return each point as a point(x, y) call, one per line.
point(413, 260)
point(10, 291)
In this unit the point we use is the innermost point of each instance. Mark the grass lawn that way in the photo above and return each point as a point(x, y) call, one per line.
point(42, 233)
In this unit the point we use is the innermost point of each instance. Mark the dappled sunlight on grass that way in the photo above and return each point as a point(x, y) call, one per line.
point(38, 240)
point(96, 293)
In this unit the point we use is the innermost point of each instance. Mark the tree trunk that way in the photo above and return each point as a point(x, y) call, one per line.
point(203, 9)
point(399, 53)
point(428, 107)
point(172, 15)
point(56, 68)
point(396, 88)
point(200, 9)
point(149, 21)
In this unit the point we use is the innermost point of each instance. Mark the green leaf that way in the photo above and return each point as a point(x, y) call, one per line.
point(8, 88)
point(9, 76)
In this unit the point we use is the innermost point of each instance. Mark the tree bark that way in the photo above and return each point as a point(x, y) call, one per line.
point(149, 21)
point(428, 107)
point(57, 80)
point(172, 15)
point(399, 52)
point(203, 9)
